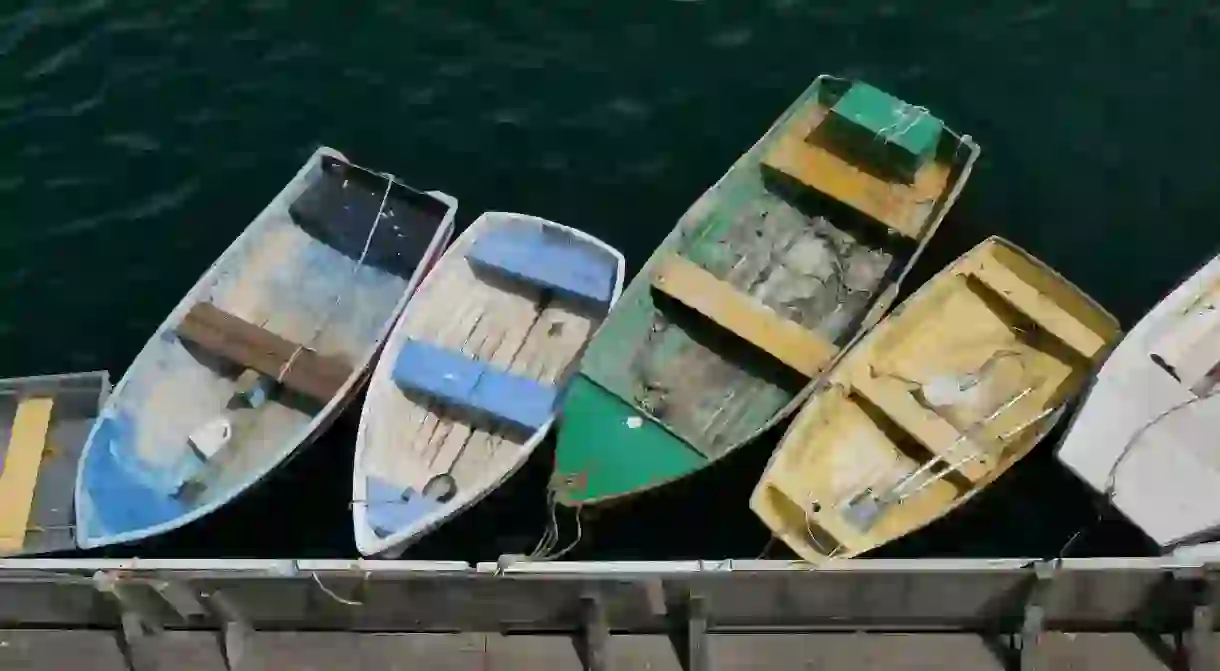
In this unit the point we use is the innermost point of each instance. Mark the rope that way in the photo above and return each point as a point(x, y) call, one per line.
point(813, 540)
point(904, 116)
point(544, 550)
point(767, 548)
point(368, 242)
point(327, 591)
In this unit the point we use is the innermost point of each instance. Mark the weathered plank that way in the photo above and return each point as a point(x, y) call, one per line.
point(901, 207)
point(800, 348)
point(1041, 309)
point(229, 336)
point(20, 474)
point(547, 259)
point(930, 429)
point(462, 382)
point(712, 392)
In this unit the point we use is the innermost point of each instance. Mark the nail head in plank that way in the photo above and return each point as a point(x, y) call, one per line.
point(794, 345)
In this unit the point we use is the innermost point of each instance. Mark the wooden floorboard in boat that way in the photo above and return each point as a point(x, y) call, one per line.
point(709, 388)
point(508, 325)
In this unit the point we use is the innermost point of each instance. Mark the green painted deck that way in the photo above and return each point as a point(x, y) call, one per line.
point(698, 390)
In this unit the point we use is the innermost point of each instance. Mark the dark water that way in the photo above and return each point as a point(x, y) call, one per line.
point(137, 138)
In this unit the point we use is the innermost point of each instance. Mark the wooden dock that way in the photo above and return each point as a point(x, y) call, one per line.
point(53, 650)
point(244, 615)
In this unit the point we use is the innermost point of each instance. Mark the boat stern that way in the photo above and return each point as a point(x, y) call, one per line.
point(608, 449)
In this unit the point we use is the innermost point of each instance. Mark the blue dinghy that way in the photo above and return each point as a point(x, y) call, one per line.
point(262, 353)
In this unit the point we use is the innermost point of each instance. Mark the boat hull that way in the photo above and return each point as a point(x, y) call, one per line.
point(772, 273)
point(262, 353)
point(944, 396)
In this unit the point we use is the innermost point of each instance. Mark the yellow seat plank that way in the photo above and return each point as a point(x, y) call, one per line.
point(901, 207)
point(1041, 309)
point(930, 429)
point(721, 302)
point(20, 475)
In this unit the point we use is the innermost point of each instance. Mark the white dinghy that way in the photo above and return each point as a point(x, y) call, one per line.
point(1147, 435)
point(467, 385)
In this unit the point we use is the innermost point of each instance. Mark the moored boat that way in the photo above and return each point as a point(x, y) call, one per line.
point(262, 353)
point(940, 399)
point(765, 280)
point(46, 419)
point(1145, 436)
point(467, 385)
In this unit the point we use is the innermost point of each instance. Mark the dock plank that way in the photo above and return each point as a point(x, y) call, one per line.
point(47, 650)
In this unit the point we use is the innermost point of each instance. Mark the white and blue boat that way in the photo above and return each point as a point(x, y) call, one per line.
point(468, 383)
point(262, 354)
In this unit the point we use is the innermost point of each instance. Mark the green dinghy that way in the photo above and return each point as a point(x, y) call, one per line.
point(765, 280)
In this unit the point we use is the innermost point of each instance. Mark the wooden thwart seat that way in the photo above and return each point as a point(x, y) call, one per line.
point(794, 345)
point(931, 430)
point(900, 207)
point(231, 337)
point(459, 381)
point(1042, 310)
point(20, 475)
point(544, 259)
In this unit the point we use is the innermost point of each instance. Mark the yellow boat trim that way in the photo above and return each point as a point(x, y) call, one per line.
point(901, 207)
point(1038, 307)
point(20, 475)
point(794, 345)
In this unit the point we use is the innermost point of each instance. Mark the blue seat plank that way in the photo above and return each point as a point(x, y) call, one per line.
point(547, 258)
point(459, 381)
point(391, 509)
point(122, 499)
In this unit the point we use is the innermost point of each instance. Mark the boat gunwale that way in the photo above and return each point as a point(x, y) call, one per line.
point(317, 424)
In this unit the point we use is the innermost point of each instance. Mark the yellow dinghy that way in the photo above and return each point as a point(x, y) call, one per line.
point(944, 396)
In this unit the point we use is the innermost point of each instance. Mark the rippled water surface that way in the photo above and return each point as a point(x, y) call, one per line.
point(138, 138)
